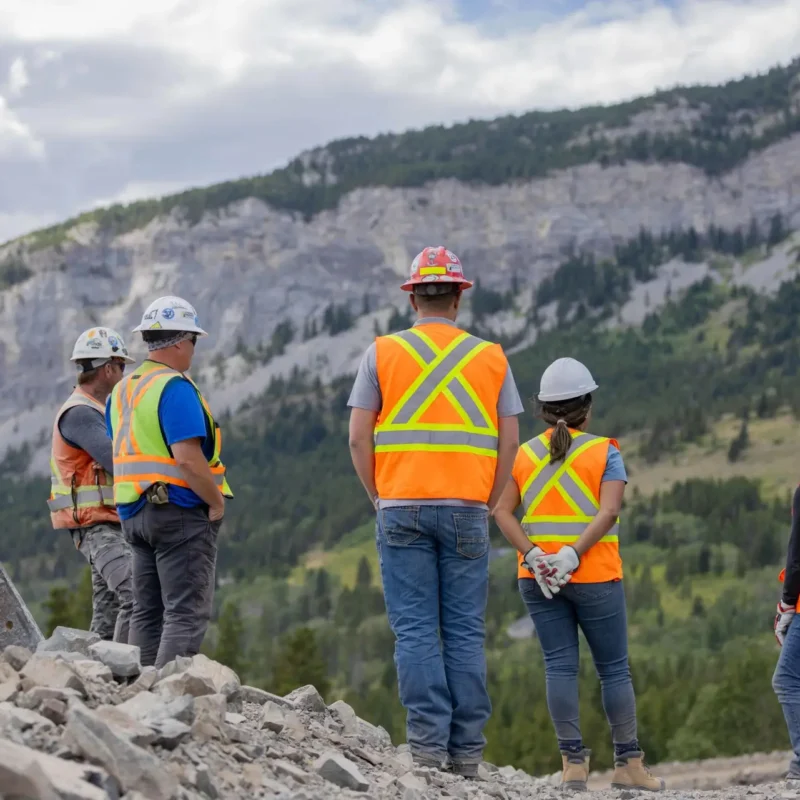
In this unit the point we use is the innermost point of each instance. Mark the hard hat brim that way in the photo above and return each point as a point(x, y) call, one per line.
point(199, 331)
point(558, 396)
point(412, 282)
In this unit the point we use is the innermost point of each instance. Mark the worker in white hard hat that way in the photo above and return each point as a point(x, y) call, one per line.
point(169, 485)
point(82, 494)
point(570, 484)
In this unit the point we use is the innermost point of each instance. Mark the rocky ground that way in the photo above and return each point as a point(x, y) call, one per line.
point(80, 720)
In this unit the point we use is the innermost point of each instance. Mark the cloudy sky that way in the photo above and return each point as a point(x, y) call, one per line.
point(114, 100)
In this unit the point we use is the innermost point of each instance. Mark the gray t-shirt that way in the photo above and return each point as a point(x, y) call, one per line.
point(366, 393)
point(85, 428)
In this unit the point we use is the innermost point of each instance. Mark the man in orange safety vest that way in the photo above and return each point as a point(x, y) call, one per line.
point(433, 437)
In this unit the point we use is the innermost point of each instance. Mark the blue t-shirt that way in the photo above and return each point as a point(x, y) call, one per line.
point(615, 469)
point(181, 417)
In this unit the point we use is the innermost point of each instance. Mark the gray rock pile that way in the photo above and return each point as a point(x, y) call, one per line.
point(81, 720)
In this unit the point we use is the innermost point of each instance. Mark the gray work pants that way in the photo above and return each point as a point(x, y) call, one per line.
point(109, 555)
point(174, 564)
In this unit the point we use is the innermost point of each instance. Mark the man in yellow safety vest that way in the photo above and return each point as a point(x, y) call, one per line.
point(169, 486)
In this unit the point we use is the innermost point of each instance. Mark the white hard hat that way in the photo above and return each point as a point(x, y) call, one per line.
point(565, 379)
point(99, 345)
point(170, 314)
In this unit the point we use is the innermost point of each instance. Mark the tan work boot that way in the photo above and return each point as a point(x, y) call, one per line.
point(575, 770)
point(631, 773)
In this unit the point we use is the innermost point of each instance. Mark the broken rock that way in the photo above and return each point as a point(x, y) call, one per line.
point(43, 670)
point(308, 699)
point(8, 690)
point(144, 683)
point(136, 769)
point(22, 718)
point(16, 656)
point(21, 775)
point(169, 733)
point(346, 716)
point(188, 682)
point(225, 680)
point(290, 770)
point(125, 725)
point(92, 671)
point(149, 708)
point(54, 710)
point(273, 717)
point(251, 694)
point(122, 659)
point(341, 771)
point(69, 640)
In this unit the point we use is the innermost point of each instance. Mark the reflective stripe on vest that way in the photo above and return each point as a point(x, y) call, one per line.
point(127, 400)
point(562, 478)
point(441, 374)
point(86, 497)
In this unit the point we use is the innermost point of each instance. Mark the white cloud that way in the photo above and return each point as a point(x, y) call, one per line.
point(17, 77)
point(173, 92)
point(16, 138)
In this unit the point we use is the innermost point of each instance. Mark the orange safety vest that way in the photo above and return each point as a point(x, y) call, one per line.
point(436, 434)
point(82, 492)
point(561, 499)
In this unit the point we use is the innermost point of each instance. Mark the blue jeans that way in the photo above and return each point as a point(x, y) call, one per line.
point(435, 570)
point(786, 683)
point(599, 610)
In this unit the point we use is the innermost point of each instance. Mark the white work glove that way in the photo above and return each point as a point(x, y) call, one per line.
point(529, 560)
point(783, 619)
point(556, 569)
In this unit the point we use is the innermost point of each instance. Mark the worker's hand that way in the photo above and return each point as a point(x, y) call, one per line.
point(529, 560)
point(217, 511)
point(556, 569)
point(783, 619)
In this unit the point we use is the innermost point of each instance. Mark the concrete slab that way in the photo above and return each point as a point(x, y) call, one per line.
point(17, 625)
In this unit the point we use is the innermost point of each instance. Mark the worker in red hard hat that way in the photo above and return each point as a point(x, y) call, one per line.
point(436, 265)
point(433, 437)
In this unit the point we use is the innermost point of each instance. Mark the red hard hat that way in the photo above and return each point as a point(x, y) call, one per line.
point(436, 265)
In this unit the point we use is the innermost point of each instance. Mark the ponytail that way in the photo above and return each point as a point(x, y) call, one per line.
point(563, 415)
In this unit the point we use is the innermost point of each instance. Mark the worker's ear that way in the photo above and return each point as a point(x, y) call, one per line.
point(457, 301)
point(413, 301)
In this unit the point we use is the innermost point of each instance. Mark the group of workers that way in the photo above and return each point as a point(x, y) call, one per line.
point(138, 482)
point(434, 439)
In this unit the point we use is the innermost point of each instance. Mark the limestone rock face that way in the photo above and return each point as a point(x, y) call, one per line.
point(249, 266)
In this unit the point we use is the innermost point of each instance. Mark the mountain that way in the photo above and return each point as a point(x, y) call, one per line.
point(337, 228)
point(657, 241)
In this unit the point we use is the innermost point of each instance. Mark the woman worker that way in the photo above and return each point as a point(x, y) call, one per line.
point(570, 484)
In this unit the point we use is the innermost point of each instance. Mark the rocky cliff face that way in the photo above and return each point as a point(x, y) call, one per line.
point(250, 266)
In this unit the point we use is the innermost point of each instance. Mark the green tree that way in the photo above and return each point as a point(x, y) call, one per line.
point(230, 645)
point(299, 663)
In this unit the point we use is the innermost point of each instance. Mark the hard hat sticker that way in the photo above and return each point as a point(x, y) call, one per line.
point(188, 315)
point(95, 344)
point(168, 313)
point(113, 341)
point(155, 326)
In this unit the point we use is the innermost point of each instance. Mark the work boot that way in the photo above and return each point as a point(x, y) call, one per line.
point(575, 770)
point(466, 769)
point(631, 773)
